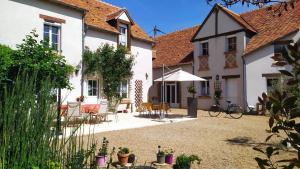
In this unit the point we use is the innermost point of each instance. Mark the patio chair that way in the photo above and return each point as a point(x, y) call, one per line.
point(102, 113)
point(73, 111)
point(147, 107)
point(164, 108)
point(116, 110)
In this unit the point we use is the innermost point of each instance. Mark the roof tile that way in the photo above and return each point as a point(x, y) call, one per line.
point(269, 27)
point(174, 48)
point(97, 14)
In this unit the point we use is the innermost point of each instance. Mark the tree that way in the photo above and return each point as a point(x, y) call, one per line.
point(5, 61)
point(115, 65)
point(277, 10)
point(33, 56)
point(284, 108)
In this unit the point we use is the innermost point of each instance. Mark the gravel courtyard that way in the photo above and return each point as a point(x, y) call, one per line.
point(220, 142)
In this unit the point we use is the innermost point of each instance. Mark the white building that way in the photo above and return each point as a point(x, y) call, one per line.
point(237, 49)
point(72, 25)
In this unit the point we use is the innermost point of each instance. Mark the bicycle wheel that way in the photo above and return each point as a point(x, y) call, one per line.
point(214, 111)
point(236, 112)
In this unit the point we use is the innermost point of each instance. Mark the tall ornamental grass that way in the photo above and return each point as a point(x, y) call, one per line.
point(27, 135)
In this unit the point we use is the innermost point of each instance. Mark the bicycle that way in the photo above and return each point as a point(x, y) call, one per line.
point(234, 110)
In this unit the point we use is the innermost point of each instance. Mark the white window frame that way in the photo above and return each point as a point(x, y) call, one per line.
point(50, 34)
point(97, 88)
point(121, 87)
point(125, 36)
point(227, 43)
point(203, 49)
point(206, 88)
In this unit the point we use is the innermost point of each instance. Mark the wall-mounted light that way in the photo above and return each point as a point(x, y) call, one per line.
point(217, 77)
point(77, 68)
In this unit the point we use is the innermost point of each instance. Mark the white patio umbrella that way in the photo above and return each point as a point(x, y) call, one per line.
point(179, 76)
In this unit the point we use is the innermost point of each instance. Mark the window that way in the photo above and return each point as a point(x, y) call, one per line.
point(123, 89)
point(281, 50)
point(205, 48)
point(231, 44)
point(52, 34)
point(92, 88)
point(123, 35)
point(204, 88)
point(272, 83)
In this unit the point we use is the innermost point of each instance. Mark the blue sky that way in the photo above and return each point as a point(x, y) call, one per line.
point(169, 15)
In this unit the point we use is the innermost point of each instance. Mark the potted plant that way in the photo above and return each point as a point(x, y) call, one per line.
point(192, 102)
point(185, 161)
point(169, 156)
point(101, 157)
point(160, 156)
point(80, 99)
point(123, 155)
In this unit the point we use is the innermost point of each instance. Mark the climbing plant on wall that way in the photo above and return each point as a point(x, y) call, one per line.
point(114, 65)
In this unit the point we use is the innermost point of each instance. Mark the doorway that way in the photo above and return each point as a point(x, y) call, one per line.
point(232, 89)
point(170, 94)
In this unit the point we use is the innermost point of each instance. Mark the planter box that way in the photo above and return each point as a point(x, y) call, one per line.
point(192, 104)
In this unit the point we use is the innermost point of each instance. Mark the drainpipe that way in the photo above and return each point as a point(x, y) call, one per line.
point(244, 84)
point(82, 64)
point(193, 71)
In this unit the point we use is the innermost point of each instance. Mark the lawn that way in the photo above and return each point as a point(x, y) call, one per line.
point(221, 142)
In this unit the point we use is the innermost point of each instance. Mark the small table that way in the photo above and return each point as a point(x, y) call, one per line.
point(84, 108)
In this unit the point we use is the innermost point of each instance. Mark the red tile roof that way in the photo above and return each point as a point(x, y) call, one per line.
point(97, 14)
point(269, 27)
point(174, 48)
point(239, 19)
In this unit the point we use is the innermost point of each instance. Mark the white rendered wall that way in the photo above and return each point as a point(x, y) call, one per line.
point(216, 61)
point(18, 18)
point(226, 23)
point(257, 64)
point(124, 17)
point(94, 39)
point(142, 53)
point(208, 29)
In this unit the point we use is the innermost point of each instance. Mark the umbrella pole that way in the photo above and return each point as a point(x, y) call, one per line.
point(163, 83)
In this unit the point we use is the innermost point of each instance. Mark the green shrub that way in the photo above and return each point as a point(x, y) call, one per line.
point(184, 161)
point(5, 61)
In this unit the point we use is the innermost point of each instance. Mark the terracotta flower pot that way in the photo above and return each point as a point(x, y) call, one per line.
point(123, 159)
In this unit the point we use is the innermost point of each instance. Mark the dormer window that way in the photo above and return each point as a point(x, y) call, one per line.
point(123, 40)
